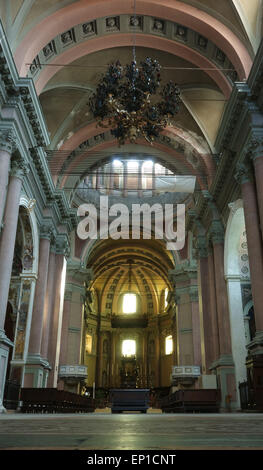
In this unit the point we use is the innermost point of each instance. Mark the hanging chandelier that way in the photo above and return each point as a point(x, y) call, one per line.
point(125, 99)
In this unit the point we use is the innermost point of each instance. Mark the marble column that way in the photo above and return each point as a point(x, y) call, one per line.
point(212, 306)
point(65, 327)
point(56, 319)
point(193, 294)
point(48, 301)
point(7, 245)
point(255, 250)
point(258, 166)
point(98, 354)
point(221, 290)
point(206, 301)
point(7, 146)
point(224, 365)
point(40, 294)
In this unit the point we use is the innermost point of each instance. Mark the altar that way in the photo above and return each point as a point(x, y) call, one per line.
point(129, 400)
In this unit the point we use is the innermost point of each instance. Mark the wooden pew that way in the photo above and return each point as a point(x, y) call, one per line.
point(195, 400)
point(51, 400)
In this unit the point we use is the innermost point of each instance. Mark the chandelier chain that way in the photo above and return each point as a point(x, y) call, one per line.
point(134, 33)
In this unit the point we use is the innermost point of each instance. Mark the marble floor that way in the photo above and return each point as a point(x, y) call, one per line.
point(131, 431)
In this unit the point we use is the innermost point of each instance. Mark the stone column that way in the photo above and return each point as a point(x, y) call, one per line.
point(56, 318)
point(256, 152)
point(34, 373)
point(7, 146)
point(224, 365)
point(188, 317)
point(7, 245)
point(113, 360)
point(255, 251)
point(98, 353)
point(206, 301)
point(65, 327)
point(212, 306)
point(48, 301)
point(217, 233)
point(193, 294)
point(40, 293)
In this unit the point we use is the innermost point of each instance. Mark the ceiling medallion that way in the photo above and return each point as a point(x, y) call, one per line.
point(125, 100)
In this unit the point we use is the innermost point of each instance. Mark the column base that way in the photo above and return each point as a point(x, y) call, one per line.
point(36, 371)
point(225, 372)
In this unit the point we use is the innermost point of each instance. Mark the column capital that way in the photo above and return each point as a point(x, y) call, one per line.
point(217, 232)
point(46, 231)
point(19, 168)
point(211, 204)
point(8, 140)
point(254, 149)
point(243, 173)
point(62, 247)
point(202, 246)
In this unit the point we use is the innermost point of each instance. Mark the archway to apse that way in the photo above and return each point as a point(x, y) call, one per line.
point(128, 352)
point(239, 288)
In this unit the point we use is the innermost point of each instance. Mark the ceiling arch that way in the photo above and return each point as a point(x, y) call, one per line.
point(94, 45)
point(64, 19)
point(195, 158)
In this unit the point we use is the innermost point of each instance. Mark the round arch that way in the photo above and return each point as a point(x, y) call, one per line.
point(28, 204)
point(63, 19)
point(234, 230)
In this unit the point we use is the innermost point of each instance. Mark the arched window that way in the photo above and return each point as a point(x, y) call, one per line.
point(168, 345)
point(129, 303)
point(129, 347)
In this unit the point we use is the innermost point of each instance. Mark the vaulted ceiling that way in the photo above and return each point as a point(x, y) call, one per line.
point(65, 46)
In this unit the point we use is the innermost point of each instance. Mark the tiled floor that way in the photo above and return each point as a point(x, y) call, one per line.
point(131, 431)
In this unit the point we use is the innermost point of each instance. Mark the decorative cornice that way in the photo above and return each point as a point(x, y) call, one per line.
point(184, 271)
point(77, 271)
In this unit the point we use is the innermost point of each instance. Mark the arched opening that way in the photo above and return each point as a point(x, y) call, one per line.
point(239, 287)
